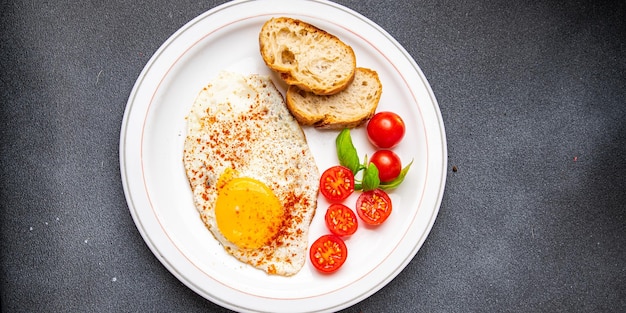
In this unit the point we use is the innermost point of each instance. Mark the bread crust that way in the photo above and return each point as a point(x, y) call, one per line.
point(348, 109)
point(306, 56)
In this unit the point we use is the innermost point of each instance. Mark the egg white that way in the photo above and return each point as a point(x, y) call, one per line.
point(241, 123)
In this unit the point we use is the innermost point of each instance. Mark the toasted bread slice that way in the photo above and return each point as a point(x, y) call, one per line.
point(306, 56)
point(348, 109)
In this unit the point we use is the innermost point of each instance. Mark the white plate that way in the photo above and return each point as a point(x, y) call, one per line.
point(159, 198)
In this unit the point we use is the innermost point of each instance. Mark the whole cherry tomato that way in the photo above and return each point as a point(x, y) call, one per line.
point(385, 130)
point(388, 164)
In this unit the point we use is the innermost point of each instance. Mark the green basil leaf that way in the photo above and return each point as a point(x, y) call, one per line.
point(370, 177)
point(396, 182)
point(358, 186)
point(346, 152)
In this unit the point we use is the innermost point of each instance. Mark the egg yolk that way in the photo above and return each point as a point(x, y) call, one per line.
point(247, 212)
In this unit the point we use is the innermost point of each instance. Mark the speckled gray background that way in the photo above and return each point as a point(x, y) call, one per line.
point(533, 96)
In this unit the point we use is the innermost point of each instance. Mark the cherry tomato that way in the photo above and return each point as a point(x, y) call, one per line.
point(388, 164)
point(328, 253)
point(373, 206)
point(341, 220)
point(385, 130)
point(337, 183)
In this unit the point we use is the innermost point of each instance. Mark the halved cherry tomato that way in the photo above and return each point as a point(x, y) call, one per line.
point(337, 183)
point(388, 164)
point(341, 220)
point(328, 253)
point(385, 129)
point(373, 206)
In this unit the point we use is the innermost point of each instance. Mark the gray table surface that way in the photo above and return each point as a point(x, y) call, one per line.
point(533, 96)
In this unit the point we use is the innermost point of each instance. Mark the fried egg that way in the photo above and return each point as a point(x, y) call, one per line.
point(252, 174)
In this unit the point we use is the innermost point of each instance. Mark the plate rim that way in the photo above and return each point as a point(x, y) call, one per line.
point(125, 173)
